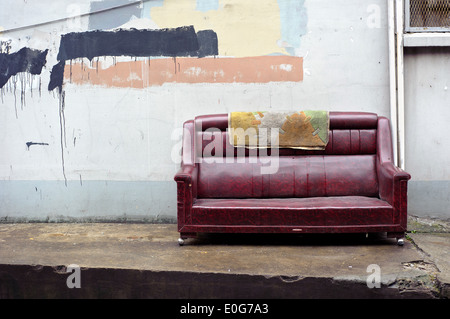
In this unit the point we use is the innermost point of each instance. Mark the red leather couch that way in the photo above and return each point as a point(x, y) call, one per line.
point(351, 186)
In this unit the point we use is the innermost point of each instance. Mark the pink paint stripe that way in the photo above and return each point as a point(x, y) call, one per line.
point(140, 74)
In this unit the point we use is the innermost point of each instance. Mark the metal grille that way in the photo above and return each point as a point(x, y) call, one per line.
point(428, 15)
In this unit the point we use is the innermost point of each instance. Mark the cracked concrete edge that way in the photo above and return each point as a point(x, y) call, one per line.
point(427, 225)
point(417, 279)
point(414, 282)
point(431, 226)
point(441, 287)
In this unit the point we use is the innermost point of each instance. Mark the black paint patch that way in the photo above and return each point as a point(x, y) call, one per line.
point(57, 76)
point(208, 43)
point(182, 41)
point(24, 60)
point(33, 143)
point(165, 42)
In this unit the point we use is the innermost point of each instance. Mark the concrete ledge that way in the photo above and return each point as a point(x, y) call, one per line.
point(31, 282)
point(426, 39)
point(145, 261)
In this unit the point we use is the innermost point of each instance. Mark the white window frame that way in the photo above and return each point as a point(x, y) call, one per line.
point(423, 36)
point(408, 28)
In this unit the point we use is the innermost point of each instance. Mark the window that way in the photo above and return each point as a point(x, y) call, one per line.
point(427, 15)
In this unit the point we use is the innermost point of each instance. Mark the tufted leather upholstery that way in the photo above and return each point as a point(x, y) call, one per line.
point(297, 176)
point(352, 185)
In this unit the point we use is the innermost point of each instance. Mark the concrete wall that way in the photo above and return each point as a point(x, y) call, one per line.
point(427, 107)
point(101, 144)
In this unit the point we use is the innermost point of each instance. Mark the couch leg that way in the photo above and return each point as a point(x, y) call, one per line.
point(399, 236)
point(184, 236)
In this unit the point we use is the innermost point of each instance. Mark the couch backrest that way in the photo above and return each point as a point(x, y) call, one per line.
point(346, 167)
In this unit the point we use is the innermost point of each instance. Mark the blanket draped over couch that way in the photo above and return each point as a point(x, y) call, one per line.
point(299, 130)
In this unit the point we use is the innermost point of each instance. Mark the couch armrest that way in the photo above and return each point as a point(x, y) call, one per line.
point(392, 181)
point(389, 176)
point(186, 179)
point(393, 189)
point(186, 174)
point(395, 173)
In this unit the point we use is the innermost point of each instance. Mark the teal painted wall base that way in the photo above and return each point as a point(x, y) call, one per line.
point(87, 201)
point(429, 199)
point(152, 202)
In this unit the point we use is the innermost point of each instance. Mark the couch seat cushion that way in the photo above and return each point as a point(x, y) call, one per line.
point(312, 211)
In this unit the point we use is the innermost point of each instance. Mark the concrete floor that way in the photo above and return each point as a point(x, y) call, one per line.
point(145, 261)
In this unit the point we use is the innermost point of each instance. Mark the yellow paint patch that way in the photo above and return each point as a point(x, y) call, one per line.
point(244, 28)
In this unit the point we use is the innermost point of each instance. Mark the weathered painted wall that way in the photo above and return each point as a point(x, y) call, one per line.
point(94, 134)
point(427, 98)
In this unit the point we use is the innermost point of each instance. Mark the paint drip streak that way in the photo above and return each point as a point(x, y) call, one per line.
point(62, 124)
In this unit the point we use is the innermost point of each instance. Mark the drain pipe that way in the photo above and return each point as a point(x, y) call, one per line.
point(392, 76)
point(400, 84)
